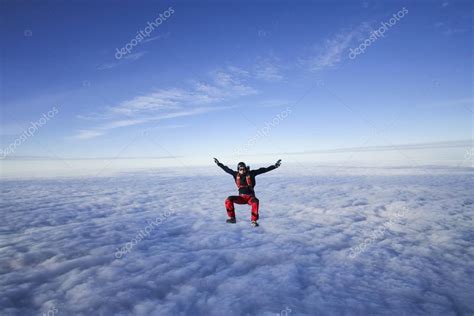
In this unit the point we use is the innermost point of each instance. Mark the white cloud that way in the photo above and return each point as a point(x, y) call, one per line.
point(238, 71)
point(166, 35)
point(269, 69)
point(102, 129)
point(122, 123)
point(88, 134)
point(222, 86)
point(126, 59)
point(201, 97)
point(453, 27)
point(59, 239)
point(333, 50)
point(166, 99)
point(171, 126)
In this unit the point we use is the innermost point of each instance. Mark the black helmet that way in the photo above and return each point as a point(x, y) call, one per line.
point(241, 164)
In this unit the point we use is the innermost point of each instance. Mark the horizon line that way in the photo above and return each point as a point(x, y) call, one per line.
point(413, 146)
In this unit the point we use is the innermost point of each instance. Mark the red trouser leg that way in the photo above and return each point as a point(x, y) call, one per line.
point(253, 201)
point(229, 204)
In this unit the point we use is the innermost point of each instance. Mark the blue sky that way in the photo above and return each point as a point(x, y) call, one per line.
point(211, 75)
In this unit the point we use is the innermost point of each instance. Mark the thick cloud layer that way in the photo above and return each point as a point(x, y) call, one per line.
point(368, 241)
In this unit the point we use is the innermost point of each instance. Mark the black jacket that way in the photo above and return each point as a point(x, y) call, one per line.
point(243, 181)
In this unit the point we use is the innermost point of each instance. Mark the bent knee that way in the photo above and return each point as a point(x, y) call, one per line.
point(254, 200)
point(230, 198)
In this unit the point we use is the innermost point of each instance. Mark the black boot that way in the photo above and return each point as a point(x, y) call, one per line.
point(231, 220)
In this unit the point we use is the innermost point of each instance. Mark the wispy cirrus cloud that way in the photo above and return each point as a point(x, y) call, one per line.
point(333, 50)
point(170, 126)
point(269, 69)
point(102, 129)
point(449, 28)
point(131, 57)
point(199, 98)
point(128, 58)
point(154, 38)
point(87, 134)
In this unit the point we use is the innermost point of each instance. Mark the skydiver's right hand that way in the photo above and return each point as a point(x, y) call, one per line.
point(216, 161)
point(278, 163)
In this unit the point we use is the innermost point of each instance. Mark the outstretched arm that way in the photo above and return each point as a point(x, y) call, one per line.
point(224, 167)
point(263, 170)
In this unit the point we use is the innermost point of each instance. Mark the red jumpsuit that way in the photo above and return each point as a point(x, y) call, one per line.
point(245, 183)
point(242, 199)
